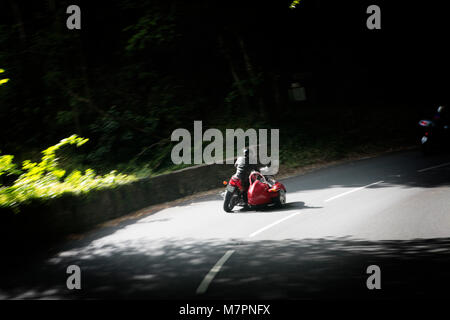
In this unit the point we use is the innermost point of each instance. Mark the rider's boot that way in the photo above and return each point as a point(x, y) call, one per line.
point(245, 198)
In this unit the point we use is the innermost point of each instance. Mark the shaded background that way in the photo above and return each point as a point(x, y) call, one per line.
point(137, 70)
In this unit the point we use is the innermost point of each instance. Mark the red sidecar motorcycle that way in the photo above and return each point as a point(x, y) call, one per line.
point(261, 192)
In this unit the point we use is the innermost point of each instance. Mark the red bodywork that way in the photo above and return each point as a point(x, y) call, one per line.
point(259, 192)
point(236, 182)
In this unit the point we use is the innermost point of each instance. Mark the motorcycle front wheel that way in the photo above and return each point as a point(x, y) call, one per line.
point(426, 146)
point(231, 199)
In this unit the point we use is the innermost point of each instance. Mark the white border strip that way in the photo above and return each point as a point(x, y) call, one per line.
point(213, 272)
point(351, 191)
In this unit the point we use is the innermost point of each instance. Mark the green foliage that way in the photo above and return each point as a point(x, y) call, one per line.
point(151, 29)
point(3, 81)
point(294, 4)
point(46, 179)
point(7, 166)
point(127, 86)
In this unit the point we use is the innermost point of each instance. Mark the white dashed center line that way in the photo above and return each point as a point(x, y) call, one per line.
point(212, 273)
point(353, 190)
point(273, 224)
point(434, 167)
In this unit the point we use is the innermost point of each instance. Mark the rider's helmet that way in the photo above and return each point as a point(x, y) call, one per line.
point(442, 115)
point(250, 154)
point(246, 152)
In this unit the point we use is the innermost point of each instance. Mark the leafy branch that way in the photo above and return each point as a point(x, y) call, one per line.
point(3, 81)
point(44, 179)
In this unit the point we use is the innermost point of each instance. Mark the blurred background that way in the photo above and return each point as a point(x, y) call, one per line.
point(84, 114)
point(137, 70)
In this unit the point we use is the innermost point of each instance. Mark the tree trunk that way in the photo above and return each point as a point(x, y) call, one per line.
point(253, 79)
point(234, 74)
point(19, 21)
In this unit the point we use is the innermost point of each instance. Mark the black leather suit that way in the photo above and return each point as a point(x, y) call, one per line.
point(243, 170)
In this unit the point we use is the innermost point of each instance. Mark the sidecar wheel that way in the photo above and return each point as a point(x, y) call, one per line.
point(281, 200)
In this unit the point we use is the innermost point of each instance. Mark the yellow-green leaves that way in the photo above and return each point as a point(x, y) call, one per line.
point(7, 166)
point(3, 81)
point(46, 180)
point(294, 4)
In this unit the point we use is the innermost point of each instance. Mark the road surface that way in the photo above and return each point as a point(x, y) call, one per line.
point(391, 211)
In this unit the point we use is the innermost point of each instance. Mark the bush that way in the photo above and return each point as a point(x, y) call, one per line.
point(46, 179)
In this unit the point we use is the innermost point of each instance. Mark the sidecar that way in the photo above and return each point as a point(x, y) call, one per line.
point(265, 192)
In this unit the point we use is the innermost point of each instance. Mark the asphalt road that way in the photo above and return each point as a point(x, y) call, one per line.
point(392, 211)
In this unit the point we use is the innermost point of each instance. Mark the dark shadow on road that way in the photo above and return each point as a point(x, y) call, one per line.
point(291, 268)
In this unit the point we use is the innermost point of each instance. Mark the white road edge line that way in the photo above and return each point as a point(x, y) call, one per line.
point(273, 224)
point(213, 272)
point(351, 191)
point(434, 167)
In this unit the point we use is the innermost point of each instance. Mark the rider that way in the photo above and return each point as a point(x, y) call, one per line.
point(244, 166)
point(441, 116)
point(441, 119)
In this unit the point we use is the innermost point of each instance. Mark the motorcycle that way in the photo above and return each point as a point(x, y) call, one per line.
point(262, 191)
point(432, 135)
